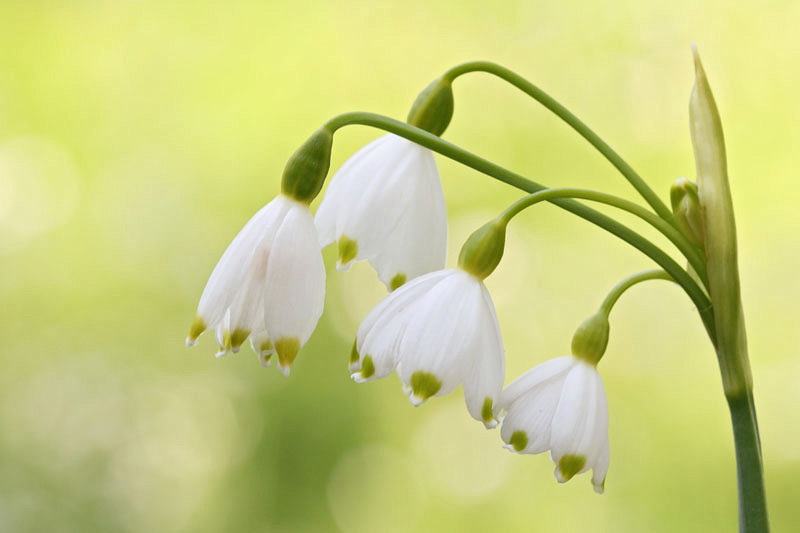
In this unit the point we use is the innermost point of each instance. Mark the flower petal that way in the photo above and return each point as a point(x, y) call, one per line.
point(344, 191)
point(533, 377)
point(379, 204)
point(294, 291)
point(440, 337)
point(262, 345)
point(484, 380)
point(227, 276)
point(403, 252)
point(526, 428)
point(579, 419)
point(600, 469)
point(379, 334)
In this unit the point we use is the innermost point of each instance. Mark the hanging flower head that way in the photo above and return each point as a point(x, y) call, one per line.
point(561, 406)
point(386, 205)
point(270, 282)
point(439, 331)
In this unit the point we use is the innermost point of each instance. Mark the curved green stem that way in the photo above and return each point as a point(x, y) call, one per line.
point(629, 282)
point(484, 166)
point(577, 124)
point(691, 252)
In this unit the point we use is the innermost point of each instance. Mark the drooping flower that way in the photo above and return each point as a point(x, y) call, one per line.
point(269, 285)
point(559, 406)
point(438, 331)
point(386, 205)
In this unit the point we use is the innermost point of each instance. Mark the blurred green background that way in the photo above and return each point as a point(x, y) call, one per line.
point(137, 137)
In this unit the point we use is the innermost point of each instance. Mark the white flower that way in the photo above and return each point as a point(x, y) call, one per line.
point(559, 406)
point(439, 331)
point(386, 205)
point(269, 285)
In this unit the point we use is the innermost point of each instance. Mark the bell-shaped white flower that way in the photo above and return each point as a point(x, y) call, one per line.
point(386, 205)
point(438, 331)
point(269, 285)
point(559, 406)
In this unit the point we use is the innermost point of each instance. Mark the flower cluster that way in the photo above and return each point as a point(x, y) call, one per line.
point(269, 285)
point(437, 328)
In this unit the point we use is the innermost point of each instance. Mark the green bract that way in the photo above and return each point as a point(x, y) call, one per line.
point(719, 229)
point(433, 108)
point(687, 210)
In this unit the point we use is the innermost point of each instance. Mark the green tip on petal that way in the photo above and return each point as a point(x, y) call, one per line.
point(238, 336)
point(266, 346)
point(195, 330)
point(569, 465)
point(367, 367)
point(397, 281)
point(518, 440)
point(287, 348)
point(348, 249)
point(354, 357)
point(424, 385)
point(486, 411)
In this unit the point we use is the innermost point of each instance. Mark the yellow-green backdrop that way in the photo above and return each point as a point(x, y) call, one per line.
point(137, 137)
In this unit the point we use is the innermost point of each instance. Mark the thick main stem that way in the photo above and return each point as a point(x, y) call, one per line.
point(567, 116)
point(471, 160)
point(753, 516)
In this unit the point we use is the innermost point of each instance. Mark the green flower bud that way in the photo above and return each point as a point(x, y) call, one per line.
point(719, 230)
point(433, 108)
point(686, 207)
point(306, 170)
point(483, 250)
point(591, 338)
